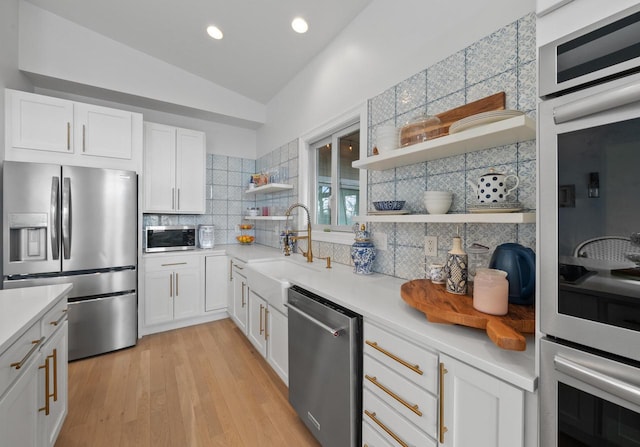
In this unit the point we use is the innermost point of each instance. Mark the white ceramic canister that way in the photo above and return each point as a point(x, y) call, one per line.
point(491, 291)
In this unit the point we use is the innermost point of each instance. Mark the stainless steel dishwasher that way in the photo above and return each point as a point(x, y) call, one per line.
point(325, 368)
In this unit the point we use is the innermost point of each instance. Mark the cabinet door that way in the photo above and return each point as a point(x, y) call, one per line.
point(188, 299)
point(40, 122)
point(479, 409)
point(19, 408)
point(102, 131)
point(55, 351)
point(159, 168)
point(278, 343)
point(257, 322)
point(158, 296)
point(190, 171)
point(240, 309)
point(216, 281)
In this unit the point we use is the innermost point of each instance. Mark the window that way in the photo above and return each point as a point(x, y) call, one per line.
point(335, 183)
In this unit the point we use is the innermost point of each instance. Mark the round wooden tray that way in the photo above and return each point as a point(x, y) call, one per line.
point(440, 306)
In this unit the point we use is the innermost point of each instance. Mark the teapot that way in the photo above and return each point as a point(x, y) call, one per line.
point(492, 187)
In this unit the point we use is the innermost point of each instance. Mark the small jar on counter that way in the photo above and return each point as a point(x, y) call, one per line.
point(491, 291)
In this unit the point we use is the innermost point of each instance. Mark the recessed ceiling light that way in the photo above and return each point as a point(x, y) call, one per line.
point(299, 25)
point(214, 32)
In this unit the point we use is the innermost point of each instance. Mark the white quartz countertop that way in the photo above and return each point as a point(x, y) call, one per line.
point(377, 298)
point(20, 308)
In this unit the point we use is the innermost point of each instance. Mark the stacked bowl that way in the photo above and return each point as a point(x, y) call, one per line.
point(387, 138)
point(438, 202)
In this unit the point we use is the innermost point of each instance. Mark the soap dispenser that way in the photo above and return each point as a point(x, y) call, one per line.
point(456, 268)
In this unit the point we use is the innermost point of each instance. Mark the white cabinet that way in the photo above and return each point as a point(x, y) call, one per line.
point(477, 409)
point(239, 299)
point(215, 283)
point(44, 123)
point(173, 288)
point(174, 170)
point(268, 332)
point(54, 355)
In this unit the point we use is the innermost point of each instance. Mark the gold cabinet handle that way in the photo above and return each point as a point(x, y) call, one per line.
point(59, 320)
point(46, 387)
point(415, 368)
point(178, 198)
point(177, 285)
point(385, 428)
point(442, 427)
point(413, 408)
point(68, 136)
point(266, 331)
point(83, 138)
point(173, 263)
point(261, 326)
point(34, 348)
point(231, 270)
point(173, 198)
point(54, 356)
point(171, 285)
point(243, 286)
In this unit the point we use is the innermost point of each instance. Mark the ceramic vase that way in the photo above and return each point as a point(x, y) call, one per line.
point(363, 252)
point(456, 269)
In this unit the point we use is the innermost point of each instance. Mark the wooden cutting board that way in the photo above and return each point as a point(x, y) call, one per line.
point(440, 306)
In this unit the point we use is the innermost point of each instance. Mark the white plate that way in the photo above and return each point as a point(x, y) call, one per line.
point(483, 118)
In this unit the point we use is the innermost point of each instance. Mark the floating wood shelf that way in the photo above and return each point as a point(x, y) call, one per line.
point(528, 217)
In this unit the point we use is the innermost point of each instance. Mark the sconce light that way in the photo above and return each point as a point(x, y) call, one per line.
point(594, 185)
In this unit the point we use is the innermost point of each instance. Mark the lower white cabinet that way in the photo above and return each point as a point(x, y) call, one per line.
point(55, 361)
point(173, 288)
point(215, 283)
point(238, 307)
point(478, 409)
point(268, 332)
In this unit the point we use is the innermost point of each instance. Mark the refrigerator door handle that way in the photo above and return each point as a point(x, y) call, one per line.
point(66, 217)
point(55, 236)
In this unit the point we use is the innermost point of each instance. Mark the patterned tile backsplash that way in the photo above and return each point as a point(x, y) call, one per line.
point(502, 61)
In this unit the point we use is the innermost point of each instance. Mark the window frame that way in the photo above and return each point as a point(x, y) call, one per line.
point(328, 233)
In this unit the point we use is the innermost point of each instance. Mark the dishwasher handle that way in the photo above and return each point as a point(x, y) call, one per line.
point(336, 332)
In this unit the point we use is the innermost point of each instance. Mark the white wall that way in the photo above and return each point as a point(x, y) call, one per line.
point(222, 139)
point(387, 43)
point(52, 46)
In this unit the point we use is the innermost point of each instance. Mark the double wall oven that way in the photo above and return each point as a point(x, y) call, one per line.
point(589, 235)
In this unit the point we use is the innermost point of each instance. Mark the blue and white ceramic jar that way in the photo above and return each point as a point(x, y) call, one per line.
point(456, 268)
point(363, 252)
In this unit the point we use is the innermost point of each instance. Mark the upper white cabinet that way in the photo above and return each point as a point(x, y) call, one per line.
point(174, 170)
point(102, 131)
point(54, 130)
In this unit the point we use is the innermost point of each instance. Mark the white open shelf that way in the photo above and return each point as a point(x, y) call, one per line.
point(265, 217)
point(509, 131)
point(528, 217)
point(269, 187)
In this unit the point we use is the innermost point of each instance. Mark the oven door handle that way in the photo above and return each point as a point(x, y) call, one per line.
point(606, 100)
point(333, 331)
point(611, 385)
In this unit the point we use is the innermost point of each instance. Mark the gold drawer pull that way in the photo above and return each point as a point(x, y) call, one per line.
point(173, 263)
point(385, 428)
point(59, 320)
point(20, 364)
point(415, 368)
point(443, 429)
point(47, 395)
point(261, 327)
point(413, 408)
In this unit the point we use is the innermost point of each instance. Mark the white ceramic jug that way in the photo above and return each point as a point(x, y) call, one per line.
point(492, 187)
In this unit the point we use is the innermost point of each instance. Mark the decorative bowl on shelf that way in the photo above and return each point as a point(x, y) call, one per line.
point(389, 205)
point(245, 239)
point(246, 226)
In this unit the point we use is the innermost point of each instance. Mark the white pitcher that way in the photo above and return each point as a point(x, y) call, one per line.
point(492, 187)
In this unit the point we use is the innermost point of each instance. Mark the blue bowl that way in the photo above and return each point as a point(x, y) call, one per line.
point(389, 205)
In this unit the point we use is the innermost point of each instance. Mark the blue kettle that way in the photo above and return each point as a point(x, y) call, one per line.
point(520, 264)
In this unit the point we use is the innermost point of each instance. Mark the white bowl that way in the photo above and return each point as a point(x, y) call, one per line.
point(438, 208)
point(437, 193)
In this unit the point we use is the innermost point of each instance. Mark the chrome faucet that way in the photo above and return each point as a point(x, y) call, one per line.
point(309, 253)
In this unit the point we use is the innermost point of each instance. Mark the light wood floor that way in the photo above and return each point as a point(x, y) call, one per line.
point(199, 386)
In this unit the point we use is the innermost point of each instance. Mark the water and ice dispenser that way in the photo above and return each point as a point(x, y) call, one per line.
point(28, 237)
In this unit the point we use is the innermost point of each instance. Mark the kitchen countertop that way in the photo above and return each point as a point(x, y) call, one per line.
point(20, 308)
point(377, 298)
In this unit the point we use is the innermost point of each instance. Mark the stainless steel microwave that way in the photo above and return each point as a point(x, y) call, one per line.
point(169, 238)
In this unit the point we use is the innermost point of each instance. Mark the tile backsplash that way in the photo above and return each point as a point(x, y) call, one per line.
point(503, 61)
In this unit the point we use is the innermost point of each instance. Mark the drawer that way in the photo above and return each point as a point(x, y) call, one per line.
point(371, 438)
point(170, 263)
point(390, 425)
point(53, 319)
point(23, 349)
point(411, 361)
point(404, 396)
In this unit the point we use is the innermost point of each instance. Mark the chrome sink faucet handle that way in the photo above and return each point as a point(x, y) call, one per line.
point(309, 253)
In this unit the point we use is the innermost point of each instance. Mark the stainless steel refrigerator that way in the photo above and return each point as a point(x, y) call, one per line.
point(73, 224)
